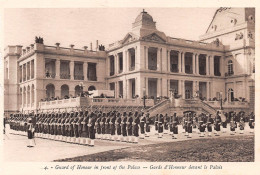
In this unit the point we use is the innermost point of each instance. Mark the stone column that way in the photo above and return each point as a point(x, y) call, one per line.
point(22, 98)
point(146, 58)
point(207, 65)
point(158, 59)
point(127, 60)
point(179, 62)
point(22, 73)
point(146, 85)
point(25, 71)
point(222, 66)
point(159, 90)
point(72, 70)
point(194, 88)
point(116, 64)
point(208, 90)
point(116, 93)
point(183, 89)
point(194, 63)
point(168, 61)
point(57, 67)
point(85, 70)
point(183, 62)
point(179, 87)
point(197, 64)
point(211, 65)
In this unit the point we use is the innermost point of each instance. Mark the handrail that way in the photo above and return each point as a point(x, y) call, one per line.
point(210, 107)
point(157, 105)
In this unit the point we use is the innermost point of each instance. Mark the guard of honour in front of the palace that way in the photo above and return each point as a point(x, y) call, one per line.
point(85, 125)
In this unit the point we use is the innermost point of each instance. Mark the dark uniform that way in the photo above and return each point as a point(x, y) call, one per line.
point(189, 125)
point(118, 127)
point(251, 122)
point(232, 125)
point(217, 123)
point(160, 126)
point(242, 124)
point(174, 126)
point(147, 125)
point(136, 122)
point(129, 127)
point(210, 122)
point(142, 125)
point(124, 126)
point(91, 129)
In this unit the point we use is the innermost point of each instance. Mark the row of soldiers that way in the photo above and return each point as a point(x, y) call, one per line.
point(190, 122)
point(83, 127)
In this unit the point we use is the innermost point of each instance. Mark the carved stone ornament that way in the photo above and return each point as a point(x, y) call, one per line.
point(153, 37)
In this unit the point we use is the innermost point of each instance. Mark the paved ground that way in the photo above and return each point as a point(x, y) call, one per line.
point(16, 150)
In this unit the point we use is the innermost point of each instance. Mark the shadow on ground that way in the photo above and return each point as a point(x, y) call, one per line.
point(226, 149)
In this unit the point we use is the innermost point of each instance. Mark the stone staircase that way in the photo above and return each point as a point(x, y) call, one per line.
point(179, 106)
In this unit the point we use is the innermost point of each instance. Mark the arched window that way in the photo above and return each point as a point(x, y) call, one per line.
point(64, 91)
point(50, 91)
point(230, 67)
point(78, 90)
point(91, 88)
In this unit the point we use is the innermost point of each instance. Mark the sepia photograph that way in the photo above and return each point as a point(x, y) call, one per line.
point(129, 85)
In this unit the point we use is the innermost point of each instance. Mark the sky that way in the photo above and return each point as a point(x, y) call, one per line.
point(80, 26)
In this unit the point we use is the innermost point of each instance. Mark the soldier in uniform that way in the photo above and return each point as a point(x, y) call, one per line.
point(97, 126)
point(112, 126)
point(160, 126)
point(224, 122)
point(189, 124)
point(251, 122)
point(76, 127)
point(186, 124)
point(102, 125)
point(210, 122)
point(129, 127)
point(118, 127)
point(174, 126)
point(124, 126)
point(85, 128)
point(232, 125)
point(166, 124)
point(242, 123)
point(201, 125)
point(30, 132)
point(142, 125)
point(136, 122)
point(156, 123)
point(91, 129)
point(147, 125)
point(107, 126)
point(217, 123)
point(80, 126)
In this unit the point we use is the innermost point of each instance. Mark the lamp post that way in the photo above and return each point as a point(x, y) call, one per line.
point(221, 107)
point(144, 95)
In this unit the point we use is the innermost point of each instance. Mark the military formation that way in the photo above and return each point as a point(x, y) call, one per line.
point(84, 126)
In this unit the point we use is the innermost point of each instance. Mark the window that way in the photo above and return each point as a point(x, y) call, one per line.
point(230, 67)
point(187, 94)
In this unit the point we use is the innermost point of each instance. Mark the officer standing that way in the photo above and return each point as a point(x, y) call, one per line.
point(252, 122)
point(209, 124)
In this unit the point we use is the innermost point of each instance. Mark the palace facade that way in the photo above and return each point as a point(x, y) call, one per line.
point(145, 62)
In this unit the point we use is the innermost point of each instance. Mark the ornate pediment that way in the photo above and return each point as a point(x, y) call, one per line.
point(154, 37)
point(128, 38)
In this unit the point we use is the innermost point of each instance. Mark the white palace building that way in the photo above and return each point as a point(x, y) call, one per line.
point(221, 66)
